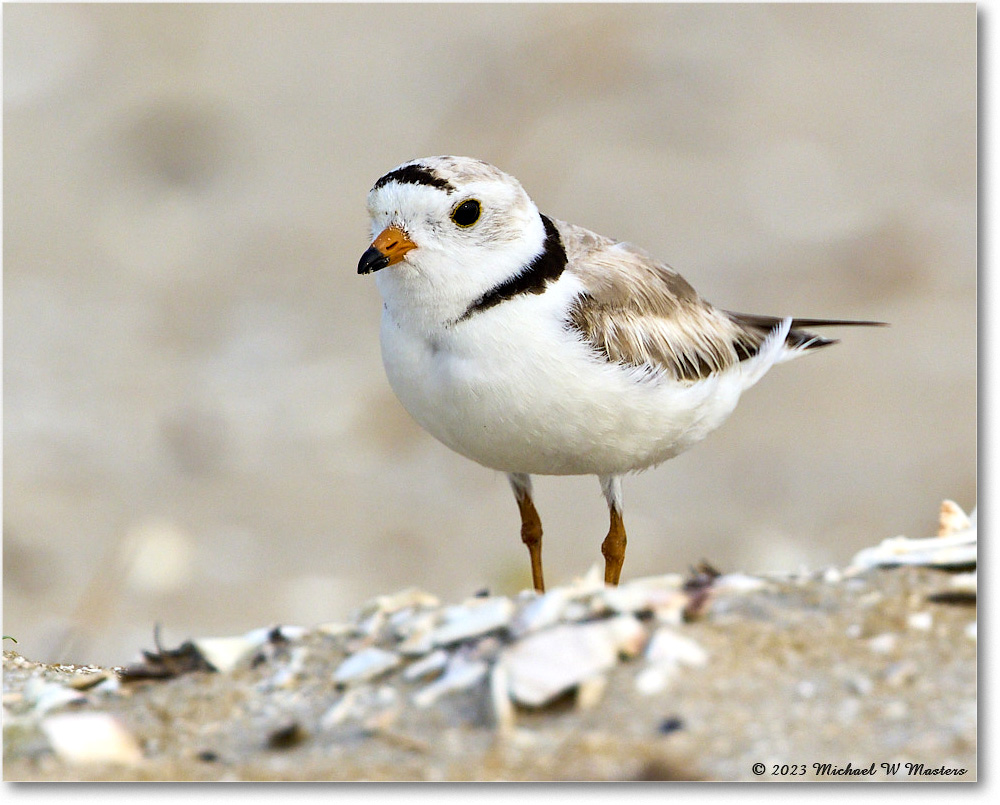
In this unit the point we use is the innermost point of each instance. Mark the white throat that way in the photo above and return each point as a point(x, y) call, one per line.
point(433, 287)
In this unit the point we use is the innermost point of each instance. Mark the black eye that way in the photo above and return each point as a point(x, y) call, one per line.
point(466, 213)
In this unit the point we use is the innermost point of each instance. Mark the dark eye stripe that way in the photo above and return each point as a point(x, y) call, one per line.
point(414, 174)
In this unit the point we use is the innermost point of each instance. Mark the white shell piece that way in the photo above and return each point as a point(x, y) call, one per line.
point(227, 653)
point(503, 707)
point(431, 664)
point(473, 619)
point(82, 738)
point(955, 547)
point(956, 550)
point(366, 664)
point(653, 679)
point(410, 597)
point(952, 519)
point(739, 582)
point(548, 663)
point(460, 674)
point(964, 583)
point(46, 696)
point(416, 633)
point(541, 612)
point(667, 648)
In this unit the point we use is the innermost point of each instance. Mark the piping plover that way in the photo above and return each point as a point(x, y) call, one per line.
point(534, 346)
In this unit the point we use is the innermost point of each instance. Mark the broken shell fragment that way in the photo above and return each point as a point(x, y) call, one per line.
point(952, 519)
point(739, 583)
point(541, 612)
point(82, 738)
point(46, 696)
point(410, 598)
point(475, 618)
point(549, 663)
point(416, 634)
point(227, 653)
point(958, 550)
point(503, 707)
point(426, 666)
point(955, 547)
point(667, 648)
point(365, 664)
point(461, 674)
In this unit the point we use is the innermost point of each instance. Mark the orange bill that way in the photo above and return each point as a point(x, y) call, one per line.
point(387, 249)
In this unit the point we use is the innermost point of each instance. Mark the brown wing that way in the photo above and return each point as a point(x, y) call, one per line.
point(638, 312)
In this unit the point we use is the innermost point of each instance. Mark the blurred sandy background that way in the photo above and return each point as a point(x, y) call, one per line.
point(197, 428)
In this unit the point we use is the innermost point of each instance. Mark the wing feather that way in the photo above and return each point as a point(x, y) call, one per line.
point(638, 312)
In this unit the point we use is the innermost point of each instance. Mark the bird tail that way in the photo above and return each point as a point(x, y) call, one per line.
point(799, 339)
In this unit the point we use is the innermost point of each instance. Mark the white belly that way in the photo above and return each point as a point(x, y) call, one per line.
point(510, 389)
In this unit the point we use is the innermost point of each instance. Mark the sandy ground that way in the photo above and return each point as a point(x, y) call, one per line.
point(873, 674)
point(197, 428)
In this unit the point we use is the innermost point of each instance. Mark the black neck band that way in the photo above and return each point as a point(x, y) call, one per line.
point(545, 268)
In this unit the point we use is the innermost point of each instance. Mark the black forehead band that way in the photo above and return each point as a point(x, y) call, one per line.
point(414, 174)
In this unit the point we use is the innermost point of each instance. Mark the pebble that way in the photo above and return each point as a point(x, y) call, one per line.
point(653, 680)
point(900, 673)
point(366, 664)
point(883, 643)
point(84, 738)
point(921, 621)
point(859, 684)
point(896, 710)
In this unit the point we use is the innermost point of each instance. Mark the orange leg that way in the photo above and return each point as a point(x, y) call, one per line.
point(613, 549)
point(613, 546)
point(531, 526)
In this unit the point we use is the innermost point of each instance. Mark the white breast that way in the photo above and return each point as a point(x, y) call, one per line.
point(513, 389)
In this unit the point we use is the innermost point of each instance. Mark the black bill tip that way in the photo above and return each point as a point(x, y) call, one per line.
point(372, 260)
